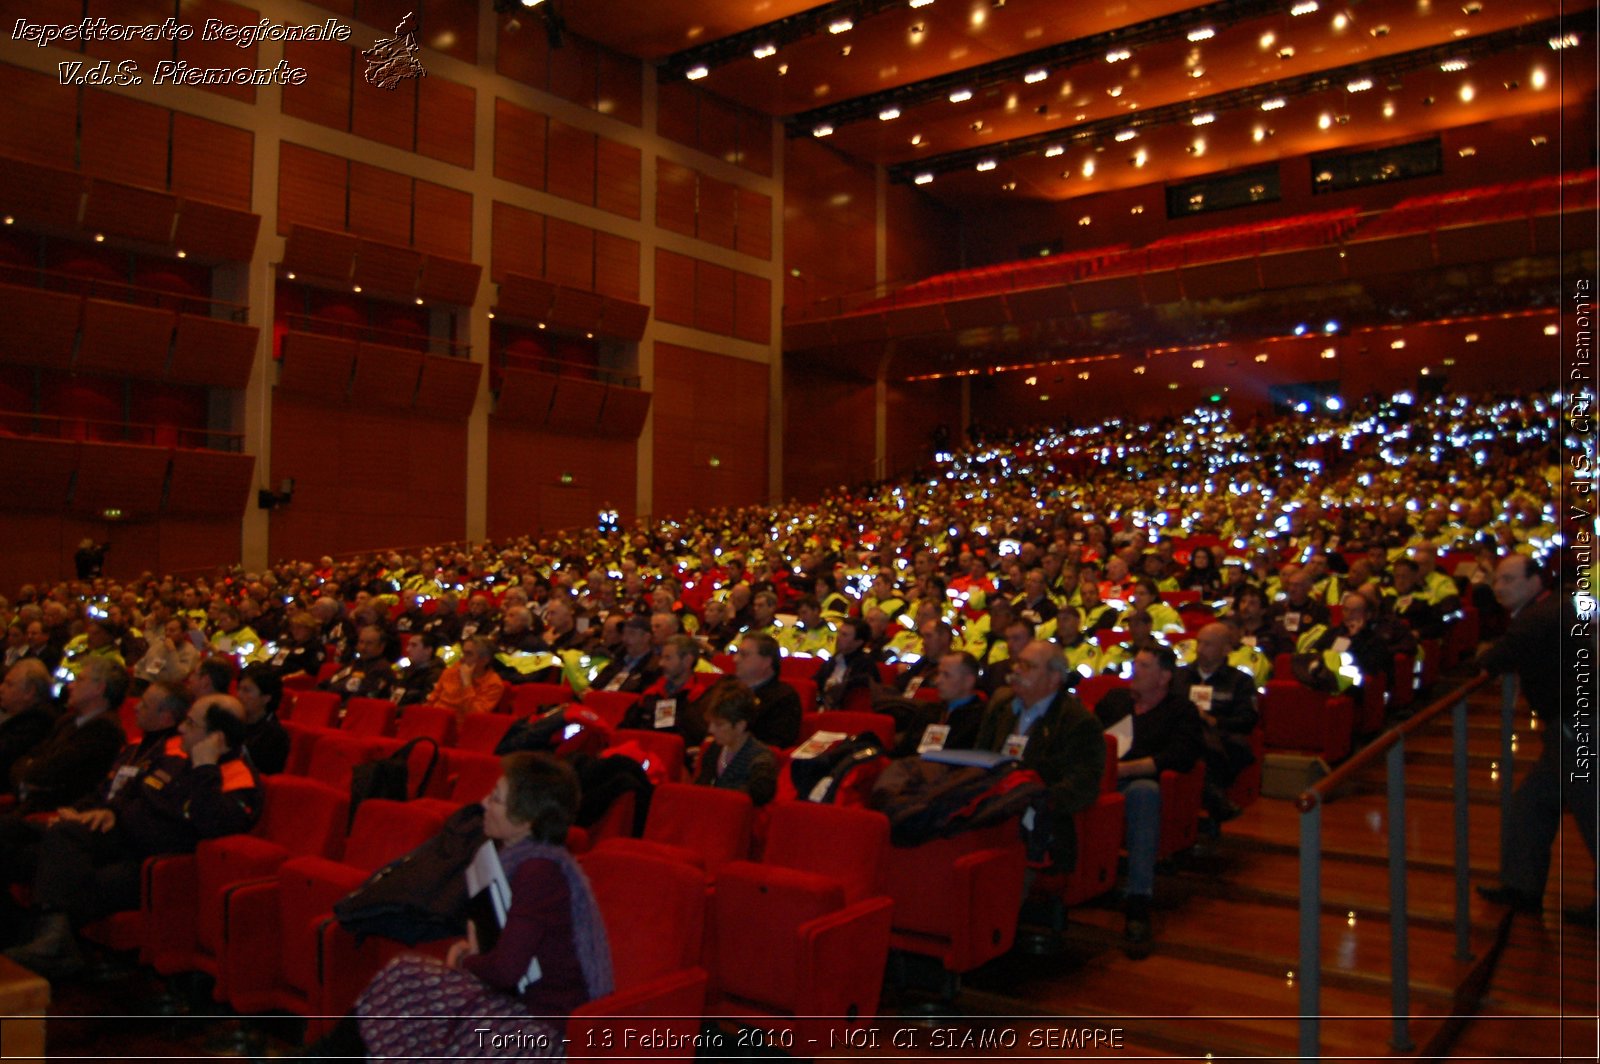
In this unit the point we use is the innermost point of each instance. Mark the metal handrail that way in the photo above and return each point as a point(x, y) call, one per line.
point(1391, 745)
point(120, 291)
point(299, 321)
point(85, 429)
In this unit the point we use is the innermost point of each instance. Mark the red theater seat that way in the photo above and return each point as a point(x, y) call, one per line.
point(851, 722)
point(705, 827)
point(431, 722)
point(1296, 717)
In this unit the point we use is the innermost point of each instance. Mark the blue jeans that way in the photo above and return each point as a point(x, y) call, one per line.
point(1143, 833)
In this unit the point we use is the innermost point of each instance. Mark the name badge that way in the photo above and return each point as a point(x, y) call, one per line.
point(916, 682)
point(280, 657)
point(1016, 746)
point(1402, 604)
point(1291, 622)
point(667, 713)
point(933, 737)
point(124, 774)
point(468, 631)
point(353, 683)
point(1201, 694)
point(1341, 645)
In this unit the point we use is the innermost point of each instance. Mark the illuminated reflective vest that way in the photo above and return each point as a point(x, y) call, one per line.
point(242, 642)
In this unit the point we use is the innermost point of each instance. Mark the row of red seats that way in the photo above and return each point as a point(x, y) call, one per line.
point(1513, 199)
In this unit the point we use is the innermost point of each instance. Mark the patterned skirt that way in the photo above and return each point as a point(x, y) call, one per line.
point(417, 1009)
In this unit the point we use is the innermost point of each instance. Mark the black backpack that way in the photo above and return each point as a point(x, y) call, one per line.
point(421, 897)
point(389, 777)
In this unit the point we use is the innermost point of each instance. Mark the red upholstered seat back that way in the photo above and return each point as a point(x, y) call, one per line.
point(433, 722)
point(843, 843)
point(368, 716)
point(713, 823)
point(314, 709)
point(756, 912)
point(654, 912)
point(482, 732)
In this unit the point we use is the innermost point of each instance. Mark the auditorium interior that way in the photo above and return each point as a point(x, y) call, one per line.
point(908, 278)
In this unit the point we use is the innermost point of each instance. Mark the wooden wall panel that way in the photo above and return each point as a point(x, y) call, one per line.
point(574, 71)
point(675, 287)
point(40, 326)
point(124, 139)
point(133, 12)
point(347, 496)
point(616, 266)
point(517, 242)
point(380, 204)
point(617, 178)
point(209, 482)
point(211, 161)
point(569, 254)
point(527, 468)
point(755, 142)
point(677, 111)
point(444, 120)
point(311, 188)
point(452, 28)
point(713, 298)
point(829, 222)
point(675, 197)
point(719, 128)
point(519, 144)
point(754, 235)
point(442, 220)
point(209, 351)
point(570, 167)
point(38, 120)
point(690, 382)
point(325, 96)
point(226, 54)
point(752, 308)
point(522, 56)
point(621, 87)
point(388, 116)
point(828, 429)
point(125, 340)
point(714, 218)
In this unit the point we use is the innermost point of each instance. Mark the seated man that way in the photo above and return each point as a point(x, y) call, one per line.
point(851, 669)
point(419, 671)
point(369, 674)
point(1226, 699)
point(672, 703)
point(73, 758)
point(471, 685)
point(89, 860)
point(561, 627)
point(1082, 654)
point(26, 712)
point(1165, 735)
point(953, 721)
point(637, 666)
point(1040, 722)
point(937, 636)
point(809, 633)
point(777, 711)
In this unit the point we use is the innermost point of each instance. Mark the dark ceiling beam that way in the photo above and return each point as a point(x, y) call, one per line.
point(1220, 103)
point(1004, 71)
point(775, 34)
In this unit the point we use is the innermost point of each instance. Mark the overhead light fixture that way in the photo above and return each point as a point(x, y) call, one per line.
point(1053, 150)
point(1267, 40)
point(985, 165)
point(1328, 352)
point(1286, 52)
point(1388, 108)
point(1009, 186)
point(99, 238)
point(1203, 120)
point(182, 254)
point(1341, 20)
point(961, 96)
point(1538, 141)
point(1470, 338)
point(1307, 7)
point(1085, 220)
point(823, 130)
point(1114, 91)
point(920, 3)
point(1274, 104)
point(419, 301)
point(1033, 77)
point(696, 73)
point(1088, 168)
point(1204, 33)
point(888, 114)
point(842, 25)
point(765, 50)
point(1198, 363)
point(355, 288)
point(1466, 93)
point(1570, 40)
point(1359, 85)
point(1125, 135)
point(1467, 152)
point(1258, 134)
point(1324, 121)
point(1450, 66)
point(1397, 345)
point(291, 275)
point(1137, 208)
point(10, 220)
point(1139, 158)
point(1197, 72)
point(1261, 358)
point(923, 179)
point(1117, 55)
point(1198, 147)
point(1538, 78)
point(916, 139)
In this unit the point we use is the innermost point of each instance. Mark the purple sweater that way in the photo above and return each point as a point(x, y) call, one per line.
point(539, 925)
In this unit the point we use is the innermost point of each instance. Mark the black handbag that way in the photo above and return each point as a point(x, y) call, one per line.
point(421, 897)
point(389, 777)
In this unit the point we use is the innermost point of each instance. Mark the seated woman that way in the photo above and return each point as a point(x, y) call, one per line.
point(552, 954)
point(737, 760)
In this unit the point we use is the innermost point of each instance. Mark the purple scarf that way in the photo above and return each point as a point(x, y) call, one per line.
point(588, 929)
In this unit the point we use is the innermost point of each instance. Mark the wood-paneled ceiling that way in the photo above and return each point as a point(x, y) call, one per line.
point(1070, 97)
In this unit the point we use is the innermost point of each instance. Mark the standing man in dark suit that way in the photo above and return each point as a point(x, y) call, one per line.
point(1531, 647)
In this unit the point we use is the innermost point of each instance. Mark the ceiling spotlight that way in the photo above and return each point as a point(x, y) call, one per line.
point(823, 130)
point(1261, 358)
point(99, 238)
point(920, 3)
point(1198, 147)
point(985, 165)
point(1381, 30)
point(1088, 168)
point(1117, 55)
point(419, 301)
point(1470, 338)
point(1114, 91)
point(1388, 108)
point(1341, 20)
point(1267, 40)
point(1139, 370)
point(1198, 72)
point(1053, 150)
point(1286, 52)
point(1204, 33)
point(765, 50)
point(182, 254)
point(1538, 141)
point(1009, 186)
point(1137, 208)
point(1450, 66)
point(1125, 135)
point(1274, 104)
point(961, 96)
point(10, 220)
point(1467, 152)
point(842, 25)
point(1139, 158)
point(1085, 220)
point(1203, 120)
point(1324, 121)
point(355, 288)
point(1568, 41)
point(291, 275)
point(923, 179)
point(916, 138)
point(1466, 93)
point(1306, 8)
point(1328, 352)
point(1397, 345)
point(1538, 79)
point(696, 73)
point(1033, 77)
point(1359, 85)
point(888, 114)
